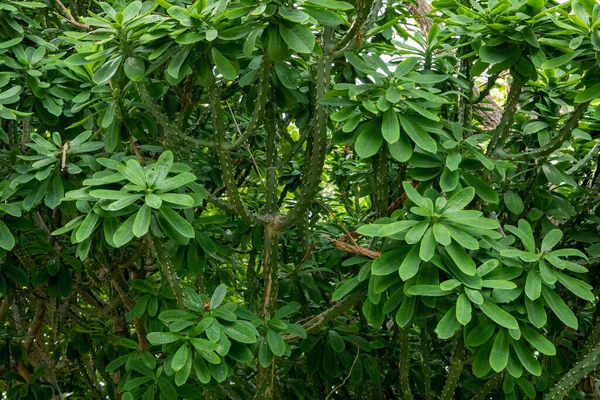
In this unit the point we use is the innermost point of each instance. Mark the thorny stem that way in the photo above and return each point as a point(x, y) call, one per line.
point(503, 128)
point(167, 268)
point(456, 366)
point(404, 344)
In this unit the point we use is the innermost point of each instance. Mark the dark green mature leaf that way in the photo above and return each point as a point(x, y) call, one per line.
point(448, 325)
point(224, 66)
point(368, 141)
point(500, 351)
point(298, 37)
point(276, 343)
point(177, 222)
point(483, 190)
point(418, 134)
point(559, 308)
point(390, 128)
point(498, 315)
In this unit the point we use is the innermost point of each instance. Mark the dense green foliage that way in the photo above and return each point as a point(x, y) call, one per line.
point(312, 199)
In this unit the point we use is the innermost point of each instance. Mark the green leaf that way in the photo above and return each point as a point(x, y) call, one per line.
point(176, 182)
point(406, 311)
point(533, 285)
point(17, 275)
point(559, 308)
point(557, 177)
point(535, 312)
point(498, 315)
point(218, 296)
point(495, 54)
point(513, 202)
point(368, 140)
point(162, 167)
point(276, 343)
point(176, 198)
point(560, 61)
point(125, 202)
point(87, 226)
point(298, 37)
point(449, 180)
point(183, 374)
point(346, 288)
point(530, 37)
point(56, 191)
point(481, 333)
point(153, 201)
point(551, 239)
point(527, 358)
point(426, 290)
point(239, 333)
point(265, 355)
point(177, 222)
point(460, 200)
point(388, 262)
point(158, 338)
point(180, 358)
point(406, 66)
point(325, 17)
point(124, 233)
point(588, 94)
point(107, 70)
point(390, 129)
point(416, 197)
point(483, 190)
point(203, 344)
point(410, 265)
point(134, 68)
point(166, 389)
point(500, 351)
point(7, 240)
point(415, 233)
point(142, 221)
point(224, 66)
point(575, 286)
point(538, 341)
point(448, 325)
point(332, 4)
point(418, 135)
point(202, 371)
point(442, 234)
point(463, 309)
point(461, 259)
point(336, 342)
point(427, 249)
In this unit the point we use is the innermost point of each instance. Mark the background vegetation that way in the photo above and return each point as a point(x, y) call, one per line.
point(315, 199)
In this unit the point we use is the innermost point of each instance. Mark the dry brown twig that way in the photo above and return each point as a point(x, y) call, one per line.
point(69, 17)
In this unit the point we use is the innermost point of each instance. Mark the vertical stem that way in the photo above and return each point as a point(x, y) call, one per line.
point(224, 157)
point(270, 267)
point(487, 387)
point(426, 366)
point(503, 128)
point(313, 166)
point(167, 268)
point(456, 366)
point(405, 364)
point(380, 178)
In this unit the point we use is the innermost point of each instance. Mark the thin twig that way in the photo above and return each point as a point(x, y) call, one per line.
point(70, 17)
point(246, 145)
point(136, 151)
point(349, 373)
point(337, 220)
point(63, 164)
point(306, 255)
